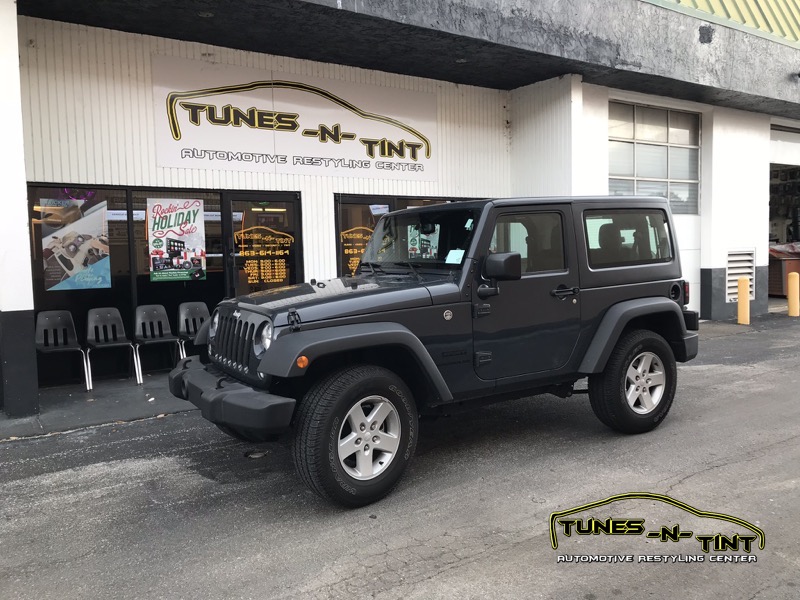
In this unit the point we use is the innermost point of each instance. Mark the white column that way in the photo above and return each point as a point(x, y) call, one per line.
point(735, 204)
point(541, 137)
point(16, 289)
point(18, 374)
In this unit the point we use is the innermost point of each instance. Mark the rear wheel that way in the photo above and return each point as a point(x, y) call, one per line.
point(635, 391)
point(356, 432)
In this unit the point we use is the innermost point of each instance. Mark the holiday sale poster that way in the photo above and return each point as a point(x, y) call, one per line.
point(176, 239)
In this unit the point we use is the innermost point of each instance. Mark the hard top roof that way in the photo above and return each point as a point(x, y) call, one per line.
point(522, 200)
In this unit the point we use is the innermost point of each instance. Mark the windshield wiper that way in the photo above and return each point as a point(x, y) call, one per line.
point(374, 267)
point(411, 266)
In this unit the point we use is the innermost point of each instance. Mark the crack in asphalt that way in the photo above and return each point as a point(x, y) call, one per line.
point(396, 566)
point(747, 457)
point(118, 423)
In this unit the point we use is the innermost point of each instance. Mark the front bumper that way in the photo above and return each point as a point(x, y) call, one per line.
point(225, 401)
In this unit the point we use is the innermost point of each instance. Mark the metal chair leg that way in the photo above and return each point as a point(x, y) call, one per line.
point(138, 364)
point(87, 369)
point(89, 364)
point(177, 352)
point(137, 371)
point(139, 379)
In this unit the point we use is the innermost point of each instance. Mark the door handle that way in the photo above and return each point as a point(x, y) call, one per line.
point(562, 291)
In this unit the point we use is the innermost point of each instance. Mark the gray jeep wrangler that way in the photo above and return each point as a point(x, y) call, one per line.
point(454, 304)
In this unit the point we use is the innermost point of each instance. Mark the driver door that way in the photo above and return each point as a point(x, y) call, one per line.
point(532, 325)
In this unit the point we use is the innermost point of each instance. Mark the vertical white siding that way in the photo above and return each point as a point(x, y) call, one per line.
point(590, 155)
point(88, 119)
point(541, 147)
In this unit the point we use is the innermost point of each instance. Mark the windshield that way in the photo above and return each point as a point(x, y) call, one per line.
point(428, 239)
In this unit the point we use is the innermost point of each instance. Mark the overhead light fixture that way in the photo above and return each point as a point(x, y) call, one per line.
point(273, 209)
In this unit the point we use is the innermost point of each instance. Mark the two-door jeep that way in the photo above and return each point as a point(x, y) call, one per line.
point(510, 298)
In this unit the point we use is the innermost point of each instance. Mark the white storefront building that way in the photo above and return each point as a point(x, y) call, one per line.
point(314, 151)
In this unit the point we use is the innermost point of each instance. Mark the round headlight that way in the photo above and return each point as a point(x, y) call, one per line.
point(263, 341)
point(266, 335)
point(212, 330)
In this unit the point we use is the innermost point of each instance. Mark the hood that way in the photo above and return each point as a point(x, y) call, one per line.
point(341, 297)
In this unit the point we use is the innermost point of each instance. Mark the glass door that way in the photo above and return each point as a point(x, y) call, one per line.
point(265, 243)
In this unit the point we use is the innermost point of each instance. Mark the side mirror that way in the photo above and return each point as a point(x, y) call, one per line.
point(505, 266)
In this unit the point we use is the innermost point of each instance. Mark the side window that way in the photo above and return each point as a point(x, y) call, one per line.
point(538, 237)
point(627, 237)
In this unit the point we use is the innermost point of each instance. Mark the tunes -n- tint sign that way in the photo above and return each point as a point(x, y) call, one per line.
point(212, 116)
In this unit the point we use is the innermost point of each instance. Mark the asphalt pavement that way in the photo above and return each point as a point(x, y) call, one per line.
point(170, 507)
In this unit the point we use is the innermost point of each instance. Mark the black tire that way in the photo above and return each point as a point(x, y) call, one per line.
point(246, 435)
point(322, 422)
point(607, 390)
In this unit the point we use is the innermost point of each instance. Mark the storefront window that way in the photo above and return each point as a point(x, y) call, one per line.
point(122, 247)
point(79, 248)
point(655, 152)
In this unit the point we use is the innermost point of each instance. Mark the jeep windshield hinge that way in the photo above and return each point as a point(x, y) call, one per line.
point(294, 319)
point(481, 310)
point(482, 358)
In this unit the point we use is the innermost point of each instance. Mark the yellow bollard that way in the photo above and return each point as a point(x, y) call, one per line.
point(744, 301)
point(794, 294)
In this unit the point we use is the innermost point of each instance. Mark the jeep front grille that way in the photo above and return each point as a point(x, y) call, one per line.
point(233, 343)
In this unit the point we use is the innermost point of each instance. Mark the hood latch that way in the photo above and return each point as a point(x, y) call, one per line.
point(294, 319)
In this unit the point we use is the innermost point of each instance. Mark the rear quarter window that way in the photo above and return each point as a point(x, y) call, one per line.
point(617, 238)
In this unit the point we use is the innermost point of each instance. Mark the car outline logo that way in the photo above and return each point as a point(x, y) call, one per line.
point(652, 496)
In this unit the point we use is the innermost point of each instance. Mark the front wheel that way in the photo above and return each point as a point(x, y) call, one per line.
point(356, 432)
point(634, 392)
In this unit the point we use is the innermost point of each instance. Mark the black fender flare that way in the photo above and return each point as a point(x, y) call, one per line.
point(281, 359)
point(614, 322)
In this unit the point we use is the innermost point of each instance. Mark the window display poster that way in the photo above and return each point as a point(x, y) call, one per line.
point(75, 244)
point(176, 238)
